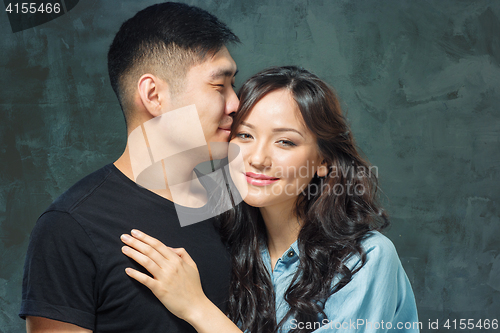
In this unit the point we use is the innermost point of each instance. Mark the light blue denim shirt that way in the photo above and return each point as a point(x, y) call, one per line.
point(379, 297)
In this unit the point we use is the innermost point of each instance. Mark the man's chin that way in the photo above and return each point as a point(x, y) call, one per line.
point(223, 135)
point(217, 154)
point(218, 149)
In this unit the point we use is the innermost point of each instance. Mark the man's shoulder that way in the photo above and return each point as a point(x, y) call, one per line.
point(81, 190)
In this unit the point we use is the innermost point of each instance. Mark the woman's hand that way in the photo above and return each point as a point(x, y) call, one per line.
point(176, 280)
point(176, 283)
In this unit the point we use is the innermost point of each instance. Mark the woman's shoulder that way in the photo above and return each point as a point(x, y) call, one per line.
point(379, 250)
point(376, 241)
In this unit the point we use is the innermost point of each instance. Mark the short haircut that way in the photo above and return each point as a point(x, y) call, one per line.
point(166, 40)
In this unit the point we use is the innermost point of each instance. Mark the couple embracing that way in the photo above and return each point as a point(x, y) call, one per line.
point(302, 252)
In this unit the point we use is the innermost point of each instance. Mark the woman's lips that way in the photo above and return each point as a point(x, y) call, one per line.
point(258, 179)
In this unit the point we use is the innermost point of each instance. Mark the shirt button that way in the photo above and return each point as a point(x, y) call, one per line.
point(291, 254)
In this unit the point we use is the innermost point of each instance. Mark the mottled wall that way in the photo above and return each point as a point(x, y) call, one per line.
point(420, 81)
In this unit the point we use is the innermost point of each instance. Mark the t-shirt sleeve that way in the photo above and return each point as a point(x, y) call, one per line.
point(60, 272)
point(379, 297)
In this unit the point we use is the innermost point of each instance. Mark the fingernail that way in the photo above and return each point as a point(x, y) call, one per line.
point(125, 249)
point(135, 233)
point(125, 237)
point(128, 270)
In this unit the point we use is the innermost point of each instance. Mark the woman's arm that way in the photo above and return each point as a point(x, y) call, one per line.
point(176, 282)
point(379, 297)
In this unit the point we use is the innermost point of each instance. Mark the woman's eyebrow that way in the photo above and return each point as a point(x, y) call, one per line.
point(244, 123)
point(279, 129)
point(285, 129)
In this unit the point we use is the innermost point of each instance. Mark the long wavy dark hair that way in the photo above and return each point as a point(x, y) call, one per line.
point(334, 221)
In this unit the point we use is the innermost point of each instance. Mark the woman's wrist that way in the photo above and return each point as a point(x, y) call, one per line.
point(198, 312)
point(205, 317)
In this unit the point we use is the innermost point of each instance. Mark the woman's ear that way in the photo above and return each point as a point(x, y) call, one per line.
point(154, 94)
point(322, 169)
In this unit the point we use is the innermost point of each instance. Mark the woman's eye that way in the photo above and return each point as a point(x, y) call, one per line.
point(286, 143)
point(243, 135)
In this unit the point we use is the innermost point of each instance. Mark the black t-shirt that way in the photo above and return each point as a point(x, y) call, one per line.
point(75, 270)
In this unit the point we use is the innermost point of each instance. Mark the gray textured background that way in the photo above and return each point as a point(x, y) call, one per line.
point(420, 81)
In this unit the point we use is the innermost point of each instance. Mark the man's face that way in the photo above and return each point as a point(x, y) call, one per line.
point(209, 86)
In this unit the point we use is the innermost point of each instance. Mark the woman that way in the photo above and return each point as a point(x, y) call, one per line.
point(306, 251)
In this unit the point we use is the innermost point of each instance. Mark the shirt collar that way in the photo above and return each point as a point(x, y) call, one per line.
point(293, 248)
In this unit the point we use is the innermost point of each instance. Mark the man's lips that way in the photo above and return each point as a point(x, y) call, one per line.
point(258, 179)
point(226, 130)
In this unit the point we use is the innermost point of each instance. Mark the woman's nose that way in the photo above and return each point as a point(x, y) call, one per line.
point(259, 158)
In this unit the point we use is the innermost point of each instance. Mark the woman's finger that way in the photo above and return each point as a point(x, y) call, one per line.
point(150, 265)
point(176, 281)
point(181, 252)
point(142, 278)
point(145, 249)
point(164, 250)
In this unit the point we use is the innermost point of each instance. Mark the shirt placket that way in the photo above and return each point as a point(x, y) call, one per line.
point(281, 280)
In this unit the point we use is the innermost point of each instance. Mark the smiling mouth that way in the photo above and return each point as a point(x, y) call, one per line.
point(259, 179)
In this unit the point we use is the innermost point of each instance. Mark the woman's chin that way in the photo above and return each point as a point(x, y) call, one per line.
point(255, 202)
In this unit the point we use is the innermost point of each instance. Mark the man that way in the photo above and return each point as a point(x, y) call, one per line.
point(168, 56)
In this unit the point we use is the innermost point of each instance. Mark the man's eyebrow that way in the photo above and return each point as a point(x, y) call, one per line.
point(279, 129)
point(225, 72)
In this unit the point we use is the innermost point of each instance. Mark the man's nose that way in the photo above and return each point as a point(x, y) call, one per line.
point(232, 102)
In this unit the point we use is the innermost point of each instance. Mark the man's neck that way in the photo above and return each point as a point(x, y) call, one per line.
point(189, 192)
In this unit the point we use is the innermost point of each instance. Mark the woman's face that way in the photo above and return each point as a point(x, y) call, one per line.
point(279, 153)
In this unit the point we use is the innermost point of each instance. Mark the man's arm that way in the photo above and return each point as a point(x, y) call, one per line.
point(59, 274)
point(45, 325)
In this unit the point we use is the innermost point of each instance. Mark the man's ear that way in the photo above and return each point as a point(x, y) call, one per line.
point(322, 169)
point(154, 94)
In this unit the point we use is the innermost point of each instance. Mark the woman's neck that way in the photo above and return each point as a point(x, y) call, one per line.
point(282, 228)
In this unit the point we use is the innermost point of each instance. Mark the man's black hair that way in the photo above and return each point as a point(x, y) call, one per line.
point(166, 40)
